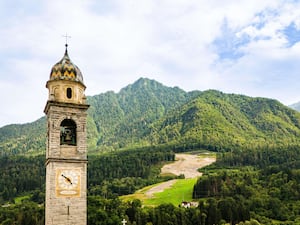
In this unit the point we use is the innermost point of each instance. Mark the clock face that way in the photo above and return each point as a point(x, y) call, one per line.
point(68, 182)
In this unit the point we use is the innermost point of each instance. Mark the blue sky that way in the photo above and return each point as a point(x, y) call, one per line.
point(243, 47)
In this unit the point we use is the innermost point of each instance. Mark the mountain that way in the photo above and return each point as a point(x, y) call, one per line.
point(119, 120)
point(147, 113)
point(115, 120)
point(25, 138)
point(219, 121)
point(296, 106)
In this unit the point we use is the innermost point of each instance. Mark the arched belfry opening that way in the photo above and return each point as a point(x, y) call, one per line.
point(68, 132)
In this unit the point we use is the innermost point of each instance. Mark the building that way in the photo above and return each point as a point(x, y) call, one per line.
point(66, 151)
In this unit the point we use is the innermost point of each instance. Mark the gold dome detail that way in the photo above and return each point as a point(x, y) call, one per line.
point(65, 69)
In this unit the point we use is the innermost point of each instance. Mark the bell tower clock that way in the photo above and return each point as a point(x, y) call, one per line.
point(66, 152)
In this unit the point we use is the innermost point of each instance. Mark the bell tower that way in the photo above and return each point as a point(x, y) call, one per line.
point(66, 152)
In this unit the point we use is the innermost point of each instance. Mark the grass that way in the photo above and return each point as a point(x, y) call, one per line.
point(180, 191)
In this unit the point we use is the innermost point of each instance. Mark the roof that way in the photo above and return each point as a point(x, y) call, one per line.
point(65, 69)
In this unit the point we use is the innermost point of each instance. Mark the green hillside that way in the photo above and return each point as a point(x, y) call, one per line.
point(216, 121)
point(147, 113)
point(24, 138)
point(122, 119)
point(181, 190)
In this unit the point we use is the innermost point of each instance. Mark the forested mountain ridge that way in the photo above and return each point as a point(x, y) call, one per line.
point(148, 113)
point(121, 119)
point(215, 120)
point(115, 120)
point(23, 138)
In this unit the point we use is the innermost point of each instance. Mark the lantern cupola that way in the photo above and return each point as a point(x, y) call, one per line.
point(66, 82)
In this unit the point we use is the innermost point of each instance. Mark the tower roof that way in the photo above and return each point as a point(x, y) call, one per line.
point(65, 69)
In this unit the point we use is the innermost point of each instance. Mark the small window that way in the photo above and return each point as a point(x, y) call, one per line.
point(69, 93)
point(68, 132)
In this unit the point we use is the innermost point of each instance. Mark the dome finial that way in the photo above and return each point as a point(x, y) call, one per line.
point(66, 36)
point(66, 51)
point(65, 69)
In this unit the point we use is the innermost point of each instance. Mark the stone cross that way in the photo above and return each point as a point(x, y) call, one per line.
point(124, 222)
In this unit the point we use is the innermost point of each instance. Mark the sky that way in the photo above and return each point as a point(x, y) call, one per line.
point(249, 47)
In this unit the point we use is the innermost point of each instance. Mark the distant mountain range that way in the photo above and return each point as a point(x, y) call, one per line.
point(147, 113)
point(296, 106)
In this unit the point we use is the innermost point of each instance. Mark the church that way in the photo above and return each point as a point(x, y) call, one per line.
point(66, 148)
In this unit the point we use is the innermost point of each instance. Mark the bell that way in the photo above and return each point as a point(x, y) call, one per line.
point(68, 135)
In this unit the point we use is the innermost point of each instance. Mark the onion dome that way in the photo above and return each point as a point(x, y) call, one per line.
point(65, 69)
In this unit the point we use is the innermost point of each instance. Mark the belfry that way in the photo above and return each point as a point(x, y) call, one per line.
point(66, 151)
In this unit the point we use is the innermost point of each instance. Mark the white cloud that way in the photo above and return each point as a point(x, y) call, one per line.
point(116, 42)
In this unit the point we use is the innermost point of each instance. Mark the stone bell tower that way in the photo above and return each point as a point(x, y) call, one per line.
point(66, 153)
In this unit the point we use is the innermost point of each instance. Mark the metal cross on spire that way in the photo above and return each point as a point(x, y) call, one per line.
point(66, 36)
point(123, 221)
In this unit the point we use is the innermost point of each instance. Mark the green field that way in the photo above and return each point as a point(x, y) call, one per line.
point(180, 191)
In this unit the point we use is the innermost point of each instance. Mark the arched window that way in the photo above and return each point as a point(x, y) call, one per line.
point(69, 93)
point(68, 132)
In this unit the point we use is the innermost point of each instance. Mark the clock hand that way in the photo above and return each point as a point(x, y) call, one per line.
point(67, 178)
